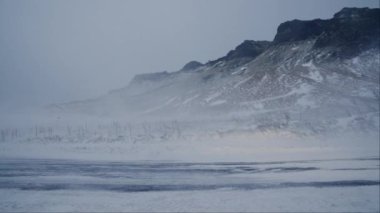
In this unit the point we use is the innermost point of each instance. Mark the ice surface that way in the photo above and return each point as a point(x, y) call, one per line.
point(65, 185)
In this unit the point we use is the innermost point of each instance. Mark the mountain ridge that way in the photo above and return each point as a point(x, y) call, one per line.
point(315, 81)
point(317, 27)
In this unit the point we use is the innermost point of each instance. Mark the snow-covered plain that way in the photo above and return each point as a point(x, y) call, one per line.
point(341, 185)
point(174, 166)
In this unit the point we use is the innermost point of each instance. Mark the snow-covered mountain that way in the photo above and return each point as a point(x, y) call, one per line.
point(314, 76)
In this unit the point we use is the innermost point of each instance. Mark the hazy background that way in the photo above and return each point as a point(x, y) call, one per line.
point(57, 51)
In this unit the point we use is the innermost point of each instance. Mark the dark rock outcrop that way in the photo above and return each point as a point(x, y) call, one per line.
point(350, 31)
point(192, 65)
point(248, 49)
point(298, 30)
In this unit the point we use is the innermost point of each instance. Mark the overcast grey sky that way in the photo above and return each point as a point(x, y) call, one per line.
point(57, 51)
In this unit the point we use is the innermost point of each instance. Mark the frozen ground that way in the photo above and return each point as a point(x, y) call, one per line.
point(67, 185)
point(240, 171)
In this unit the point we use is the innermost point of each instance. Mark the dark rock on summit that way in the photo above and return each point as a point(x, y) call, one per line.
point(355, 13)
point(297, 30)
point(350, 31)
point(192, 65)
point(248, 49)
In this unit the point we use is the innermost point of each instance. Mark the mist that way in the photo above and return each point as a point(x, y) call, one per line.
point(189, 106)
point(60, 51)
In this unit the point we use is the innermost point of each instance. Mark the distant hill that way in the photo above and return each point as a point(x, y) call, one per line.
point(317, 75)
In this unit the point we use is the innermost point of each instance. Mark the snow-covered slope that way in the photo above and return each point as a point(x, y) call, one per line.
point(315, 76)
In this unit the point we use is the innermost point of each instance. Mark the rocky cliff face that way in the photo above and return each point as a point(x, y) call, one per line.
point(319, 75)
point(247, 51)
point(349, 32)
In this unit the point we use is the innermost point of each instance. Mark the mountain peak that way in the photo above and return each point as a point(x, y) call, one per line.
point(350, 30)
point(297, 30)
point(248, 49)
point(353, 13)
point(192, 65)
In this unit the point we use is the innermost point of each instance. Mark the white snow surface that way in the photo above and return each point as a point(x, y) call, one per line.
point(347, 199)
point(295, 139)
point(231, 172)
